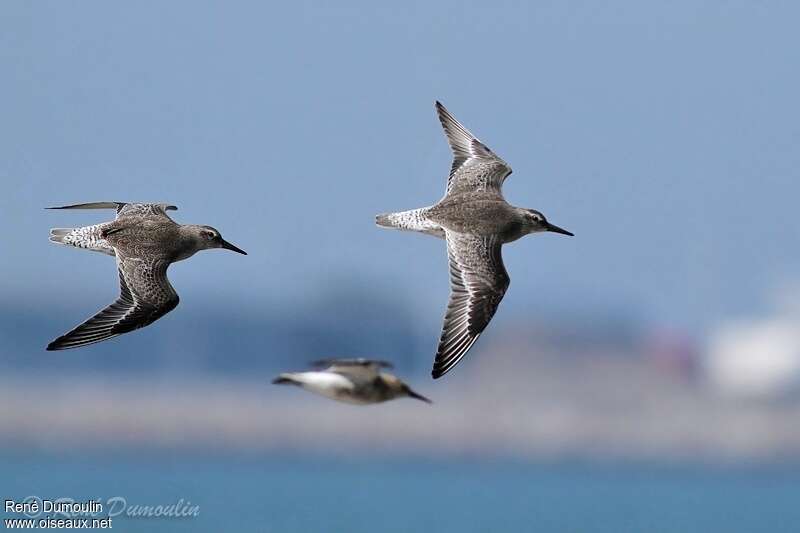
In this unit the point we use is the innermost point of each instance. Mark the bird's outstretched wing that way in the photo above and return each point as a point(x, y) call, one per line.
point(478, 282)
point(364, 368)
point(145, 296)
point(145, 210)
point(124, 208)
point(93, 205)
point(475, 166)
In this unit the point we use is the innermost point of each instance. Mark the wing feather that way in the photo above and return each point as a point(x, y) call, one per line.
point(145, 296)
point(475, 167)
point(478, 282)
point(124, 208)
point(357, 369)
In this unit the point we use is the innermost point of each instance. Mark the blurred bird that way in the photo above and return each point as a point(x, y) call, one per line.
point(357, 381)
point(475, 220)
point(145, 242)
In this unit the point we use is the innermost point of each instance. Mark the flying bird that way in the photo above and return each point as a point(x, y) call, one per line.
point(475, 220)
point(357, 381)
point(145, 241)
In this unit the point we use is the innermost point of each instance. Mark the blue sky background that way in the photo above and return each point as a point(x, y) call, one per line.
point(664, 136)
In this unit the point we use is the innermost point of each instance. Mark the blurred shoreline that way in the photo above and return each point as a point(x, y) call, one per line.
point(602, 407)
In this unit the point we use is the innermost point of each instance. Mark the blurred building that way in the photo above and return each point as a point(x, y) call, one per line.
point(756, 358)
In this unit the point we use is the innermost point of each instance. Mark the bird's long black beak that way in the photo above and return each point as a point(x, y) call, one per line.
point(412, 394)
point(556, 229)
point(229, 246)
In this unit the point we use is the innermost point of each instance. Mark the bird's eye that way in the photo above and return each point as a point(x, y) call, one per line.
point(208, 235)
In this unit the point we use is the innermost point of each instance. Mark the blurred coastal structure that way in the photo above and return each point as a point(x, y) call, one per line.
point(757, 358)
point(597, 388)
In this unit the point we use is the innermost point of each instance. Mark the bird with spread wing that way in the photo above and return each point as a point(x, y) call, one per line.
point(144, 241)
point(356, 381)
point(475, 220)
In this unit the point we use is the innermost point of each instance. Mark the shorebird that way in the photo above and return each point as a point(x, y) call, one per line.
point(358, 381)
point(475, 220)
point(145, 242)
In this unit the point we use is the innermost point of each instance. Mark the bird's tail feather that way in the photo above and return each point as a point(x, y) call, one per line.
point(59, 234)
point(412, 220)
point(386, 220)
point(88, 237)
point(285, 379)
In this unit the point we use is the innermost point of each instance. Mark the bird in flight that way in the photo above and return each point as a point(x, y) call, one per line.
point(145, 241)
point(475, 221)
point(356, 381)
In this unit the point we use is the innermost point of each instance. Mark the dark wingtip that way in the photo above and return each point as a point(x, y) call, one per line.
point(439, 371)
point(281, 380)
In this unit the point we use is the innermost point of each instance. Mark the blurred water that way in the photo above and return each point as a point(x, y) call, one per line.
point(285, 494)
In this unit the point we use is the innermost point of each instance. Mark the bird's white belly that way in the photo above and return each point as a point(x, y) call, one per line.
point(328, 384)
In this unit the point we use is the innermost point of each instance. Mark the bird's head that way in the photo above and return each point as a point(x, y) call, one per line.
point(209, 237)
point(535, 222)
point(399, 389)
